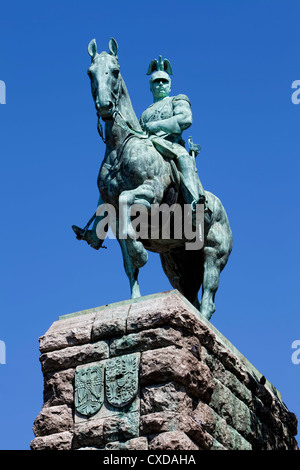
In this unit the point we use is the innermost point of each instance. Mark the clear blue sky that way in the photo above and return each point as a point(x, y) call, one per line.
point(236, 61)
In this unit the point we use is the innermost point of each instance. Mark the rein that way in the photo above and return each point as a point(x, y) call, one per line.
point(124, 123)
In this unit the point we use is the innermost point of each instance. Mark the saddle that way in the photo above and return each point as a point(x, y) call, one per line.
point(169, 151)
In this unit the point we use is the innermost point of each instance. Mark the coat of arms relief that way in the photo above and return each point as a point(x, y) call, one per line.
point(116, 380)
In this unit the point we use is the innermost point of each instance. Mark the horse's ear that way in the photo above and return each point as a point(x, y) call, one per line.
point(113, 47)
point(92, 48)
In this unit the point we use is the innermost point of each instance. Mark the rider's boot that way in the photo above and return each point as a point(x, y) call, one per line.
point(191, 187)
point(89, 236)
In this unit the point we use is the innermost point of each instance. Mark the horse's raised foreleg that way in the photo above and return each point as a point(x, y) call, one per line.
point(143, 195)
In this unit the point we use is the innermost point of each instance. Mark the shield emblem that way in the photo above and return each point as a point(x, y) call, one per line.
point(89, 389)
point(121, 384)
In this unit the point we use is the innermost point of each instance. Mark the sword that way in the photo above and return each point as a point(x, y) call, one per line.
point(194, 149)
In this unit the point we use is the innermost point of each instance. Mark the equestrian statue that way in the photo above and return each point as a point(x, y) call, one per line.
point(146, 165)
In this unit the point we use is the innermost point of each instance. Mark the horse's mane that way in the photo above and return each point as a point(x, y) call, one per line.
point(127, 108)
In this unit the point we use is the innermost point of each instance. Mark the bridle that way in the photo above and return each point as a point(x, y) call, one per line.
point(123, 123)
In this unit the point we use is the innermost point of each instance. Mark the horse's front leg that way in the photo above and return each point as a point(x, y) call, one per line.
point(131, 271)
point(143, 196)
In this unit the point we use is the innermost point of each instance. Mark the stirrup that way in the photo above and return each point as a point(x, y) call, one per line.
point(201, 200)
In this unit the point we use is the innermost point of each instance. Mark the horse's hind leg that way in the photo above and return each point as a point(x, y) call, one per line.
point(210, 283)
point(184, 271)
point(216, 253)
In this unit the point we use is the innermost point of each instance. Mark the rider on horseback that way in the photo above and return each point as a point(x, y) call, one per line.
point(164, 121)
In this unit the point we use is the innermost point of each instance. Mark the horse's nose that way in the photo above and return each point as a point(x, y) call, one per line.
point(97, 103)
point(104, 107)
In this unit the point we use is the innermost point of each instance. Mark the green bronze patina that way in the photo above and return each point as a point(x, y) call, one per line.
point(146, 163)
point(89, 389)
point(121, 380)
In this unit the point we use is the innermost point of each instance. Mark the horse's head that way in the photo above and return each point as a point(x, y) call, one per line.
point(104, 73)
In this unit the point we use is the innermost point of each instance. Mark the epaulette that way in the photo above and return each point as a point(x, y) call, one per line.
point(181, 97)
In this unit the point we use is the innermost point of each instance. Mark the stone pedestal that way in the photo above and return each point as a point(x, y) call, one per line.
point(152, 374)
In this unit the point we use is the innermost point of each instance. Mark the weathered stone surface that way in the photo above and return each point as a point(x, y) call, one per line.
point(262, 404)
point(195, 390)
point(99, 432)
point(58, 387)
point(166, 421)
point(118, 428)
point(172, 310)
point(110, 322)
point(138, 443)
point(58, 441)
point(233, 410)
point(145, 340)
point(205, 415)
point(89, 448)
point(289, 421)
point(89, 433)
point(68, 332)
point(72, 356)
point(165, 397)
point(179, 365)
point(217, 446)
point(163, 421)
point(223, 433)
point(53, 420)
point(172, 440)
point(229, 437)
point(227, 378)
point(225, 364)
point(168, 310)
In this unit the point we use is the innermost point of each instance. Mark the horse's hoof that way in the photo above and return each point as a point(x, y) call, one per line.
point(78, 232)
point(206, 313)
point(89, 236)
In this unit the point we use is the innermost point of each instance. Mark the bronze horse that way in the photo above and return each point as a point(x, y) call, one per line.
point(134, 172)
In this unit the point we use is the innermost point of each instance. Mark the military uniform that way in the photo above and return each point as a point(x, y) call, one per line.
point(175, 115)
